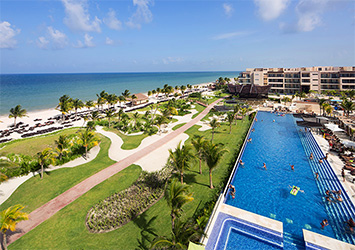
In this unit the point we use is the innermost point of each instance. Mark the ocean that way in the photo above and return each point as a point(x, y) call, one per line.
point(42, 91)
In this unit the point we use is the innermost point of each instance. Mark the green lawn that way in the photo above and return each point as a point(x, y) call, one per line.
point(178, 126)
point(199, 109)
point(129, 141)
point(35, 192)
point(66, 229)
point(30, 146)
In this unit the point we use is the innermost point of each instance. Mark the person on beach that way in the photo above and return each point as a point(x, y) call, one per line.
point(232, 190)
point(311, 156)
point(317, 176)
point(292, 167)
point(264, 166)
point(343, 174)
point(324, 223)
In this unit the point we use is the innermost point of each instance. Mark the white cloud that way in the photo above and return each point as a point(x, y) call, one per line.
point(170, 60)
point(142, 14)
point(78, 18)
point(230, 35)
point(42, 42)
point(228, 9)
point(111, 21)
point(109, 41)
point(87, 42)
point(271, 9)
point(58, 38)
point(7, 36)
point(309, 13)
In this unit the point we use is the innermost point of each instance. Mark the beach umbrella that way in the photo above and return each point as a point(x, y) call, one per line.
point(333, 127)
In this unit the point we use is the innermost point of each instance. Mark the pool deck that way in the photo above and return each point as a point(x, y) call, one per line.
point(337, 164)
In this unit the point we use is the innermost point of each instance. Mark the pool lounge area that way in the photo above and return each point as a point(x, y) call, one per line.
point(264, 194)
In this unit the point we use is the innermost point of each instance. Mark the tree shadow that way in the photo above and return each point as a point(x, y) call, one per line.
point(147, 231)
point(189, 178)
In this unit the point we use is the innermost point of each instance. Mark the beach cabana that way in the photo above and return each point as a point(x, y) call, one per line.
point(141, 98)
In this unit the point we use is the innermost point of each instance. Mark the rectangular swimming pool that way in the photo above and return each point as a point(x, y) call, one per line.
point(276, 143)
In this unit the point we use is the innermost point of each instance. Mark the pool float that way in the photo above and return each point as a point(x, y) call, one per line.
point(294, 190)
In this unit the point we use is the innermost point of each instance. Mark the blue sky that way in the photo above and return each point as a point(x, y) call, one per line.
point(47, 36)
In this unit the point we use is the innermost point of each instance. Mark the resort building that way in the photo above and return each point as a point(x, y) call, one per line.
point(141, 98)
point(304, 79)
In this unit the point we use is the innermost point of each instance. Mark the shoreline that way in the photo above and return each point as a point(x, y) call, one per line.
point(46, 113)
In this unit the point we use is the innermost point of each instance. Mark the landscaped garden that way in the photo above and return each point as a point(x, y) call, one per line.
point(67, 227)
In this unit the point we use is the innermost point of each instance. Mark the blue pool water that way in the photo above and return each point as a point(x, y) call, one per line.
point(267, 192)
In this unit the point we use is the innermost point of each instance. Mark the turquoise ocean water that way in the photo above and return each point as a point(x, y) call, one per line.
point(42, 91)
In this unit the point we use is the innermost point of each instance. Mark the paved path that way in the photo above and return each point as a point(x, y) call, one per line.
point(50, 208)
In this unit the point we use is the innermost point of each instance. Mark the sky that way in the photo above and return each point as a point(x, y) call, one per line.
point(79, 36)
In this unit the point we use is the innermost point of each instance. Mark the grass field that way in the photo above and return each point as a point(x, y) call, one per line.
point(35, 192)
point(129, 141)
point(178, 126)
point(30, 146)
point(66, 229)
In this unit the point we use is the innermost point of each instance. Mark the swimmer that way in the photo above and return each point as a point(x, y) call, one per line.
point(343, 174)
point(351, 224)
point(324, 223)
point(326, 156)
point(264, 166)
point(339, 199)
point(336, 192)
point(273, 120)
point(232, 190)
point(295, 189)
point(320, 161)
point(253, 130)
point(241, 162)
point(256, 119)
point(327, 198)
point(292, 167)
point(317, 176)
point(311, 156)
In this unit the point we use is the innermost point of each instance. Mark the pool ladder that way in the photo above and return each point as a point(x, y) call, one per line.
point(338, 212)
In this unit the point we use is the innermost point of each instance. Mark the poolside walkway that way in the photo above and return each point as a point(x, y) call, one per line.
point(52, 207)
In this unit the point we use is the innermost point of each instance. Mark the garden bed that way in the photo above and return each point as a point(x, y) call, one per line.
point(120, 208)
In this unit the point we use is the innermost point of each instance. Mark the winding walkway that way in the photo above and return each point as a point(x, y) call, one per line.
point(52, 207)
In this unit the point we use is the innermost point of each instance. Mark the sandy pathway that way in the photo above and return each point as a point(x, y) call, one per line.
point(50, 208)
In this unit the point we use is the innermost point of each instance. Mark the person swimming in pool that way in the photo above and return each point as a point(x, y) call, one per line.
point(232, 190)
point(295, 189)
point(292, 167)
point(264, 166)
point(241, 162)
point(311, 156)
point(317, 176)
point(324, 223)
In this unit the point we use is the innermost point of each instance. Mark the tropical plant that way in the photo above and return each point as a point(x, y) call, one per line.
point(351, 94)
point(18, 111)
point(182, 233)
point(135, 117)
point(121, 99)
point(126, 94)
point(133, 97)
point(180, 159)
point(65, 105)
point(321, 102)
point(348, 106)
point(149, 93)
point(87, 139)
point(110, 114)
point(212, 154)
point(44, 158)
point(328, 109)
point(112, 99)
point(214, 124)
point(77, 104)
point(160, 120)
point(177, 195)
point(89, 104)
point(230, 118)
point(8, 220)
point(198, 143)
point(63, 145)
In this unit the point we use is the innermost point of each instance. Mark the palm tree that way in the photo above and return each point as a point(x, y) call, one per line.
point(149, 93)
point(198, 142)
point(8, 220)
point(160, 120)
point(154, 92)
point(77, 104)
point(112, 99)
point(243, 111)
point(230, 118)
point(321, 101)
point(109, 114)
point(135, 117)
point(180, 159)
point(121, 99)
point(236, 111)
point(87, 139)
point(65, 105)
point(181, 235)
point(212, 154)
point(126, 94)
point(63, 144)
point(89, 104)
point(177, 195)
point(328, 109)
point(17, 112)
point(182, 88)
point(214, 124)
point(133, 97)
point(351, 94)
point(348, 106)
point(46, 157)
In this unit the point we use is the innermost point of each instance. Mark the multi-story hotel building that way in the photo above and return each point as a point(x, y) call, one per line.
point(292, 80)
